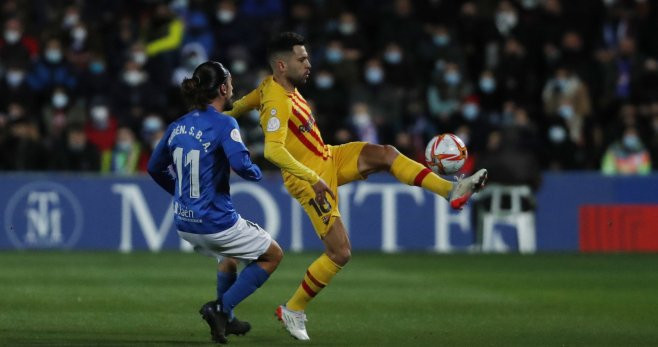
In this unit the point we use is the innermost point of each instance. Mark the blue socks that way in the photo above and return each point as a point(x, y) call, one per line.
point(224, 281)
point(250, 279)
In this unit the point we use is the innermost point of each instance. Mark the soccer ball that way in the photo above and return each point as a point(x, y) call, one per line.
point(445, 154)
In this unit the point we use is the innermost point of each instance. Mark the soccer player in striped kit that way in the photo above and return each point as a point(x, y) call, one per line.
point(198, 150)
point(313, 170)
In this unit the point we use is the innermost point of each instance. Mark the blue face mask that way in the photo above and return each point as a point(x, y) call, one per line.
point(324, 82)
point(393, 57)
point(470, 111)
point(96, 67)
point(334, 55)
point(631, 142)
point(452, 78)
point(374, 75)
point(557, 134)
point(441, 40)
point(487, 85)
point(566, 112)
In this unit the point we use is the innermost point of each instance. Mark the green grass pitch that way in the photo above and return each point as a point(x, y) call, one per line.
point(108, 299)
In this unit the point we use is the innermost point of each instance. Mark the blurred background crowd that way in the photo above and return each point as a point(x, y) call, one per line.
point(529, 85)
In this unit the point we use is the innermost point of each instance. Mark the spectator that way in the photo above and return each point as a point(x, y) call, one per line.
point(51, 70)
point(125, 156)
point(567, 96)
point(16, 47)
point(76, 154)
point(627, 156)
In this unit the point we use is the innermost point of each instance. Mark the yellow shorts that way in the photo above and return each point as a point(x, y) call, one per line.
point(340, 168)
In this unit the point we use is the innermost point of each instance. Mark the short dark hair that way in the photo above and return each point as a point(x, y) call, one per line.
point(199, 90)
point(284, 42)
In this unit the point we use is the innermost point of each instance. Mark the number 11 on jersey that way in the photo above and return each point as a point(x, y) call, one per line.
point(192, 158)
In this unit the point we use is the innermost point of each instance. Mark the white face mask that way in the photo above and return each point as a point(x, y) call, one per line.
point(100, 116)
point(15, 78)
point(79, 34)
point(124, 146)
point(239, 66)
point(12, 36)
point(361, 119)
point(557, 134)
point(139, 58)
point(54, 55)
point(225, 16)
point(133, 78)
point(60, 100)
point(347, 28)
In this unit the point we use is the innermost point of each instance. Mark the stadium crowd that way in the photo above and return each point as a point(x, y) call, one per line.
point(529, 85)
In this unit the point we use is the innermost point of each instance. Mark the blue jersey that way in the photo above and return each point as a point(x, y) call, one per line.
point(198, 150)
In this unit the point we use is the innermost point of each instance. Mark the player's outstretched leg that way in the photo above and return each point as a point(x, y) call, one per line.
point(317, 277)
point(465, 187)
point(376, 158)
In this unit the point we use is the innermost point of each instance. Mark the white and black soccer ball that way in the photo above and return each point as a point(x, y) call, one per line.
point(445, 154)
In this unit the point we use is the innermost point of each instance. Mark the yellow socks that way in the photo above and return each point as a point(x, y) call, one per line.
point(413, 173)
point(318, 275)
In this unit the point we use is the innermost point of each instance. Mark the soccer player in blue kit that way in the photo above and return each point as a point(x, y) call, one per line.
point(192, 162)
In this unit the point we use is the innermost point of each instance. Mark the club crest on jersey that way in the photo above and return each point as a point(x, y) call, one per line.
point(235, 135)
point(273, 124)
point(308, 126)
point(325, 220)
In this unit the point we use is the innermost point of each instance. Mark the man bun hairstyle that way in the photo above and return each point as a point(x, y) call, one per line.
point(200, 89)
point(283, 43)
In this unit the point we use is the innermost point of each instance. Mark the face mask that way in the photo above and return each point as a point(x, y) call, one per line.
point(347, 28)
point(374, 75)
point(133, 78)
point(487, 85)
point(557, 134)
point(225, 16)
point(15, 78)
point(562, 83)
point(54, 55)
point(12, 36)
point(324, 82)
point(470, 111)
point(334, 55)
point(566, 112)
point(100, 116)
point(79, 34)
point(60, 100)
point(631, 142)
point(124, 146)
point(139, 58)
point(529, 4)
point(239, 66)
point(76, 146)
point(452, 78)
point(361, 119)
point(393, 57)
point(441, 40)
point(507, 19)
point(192, 62)
point(96, 67)
point(71, 20)
point(152, 124)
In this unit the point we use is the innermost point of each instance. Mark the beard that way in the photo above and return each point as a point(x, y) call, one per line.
point(228, 105)
point(298, 81)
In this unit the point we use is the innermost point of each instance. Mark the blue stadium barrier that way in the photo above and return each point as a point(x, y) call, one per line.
point(59, 211)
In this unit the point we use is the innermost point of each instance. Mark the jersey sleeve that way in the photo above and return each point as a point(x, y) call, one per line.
point(245, 104)
point(274, 116)
point(230, 138)
point(159, 165)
